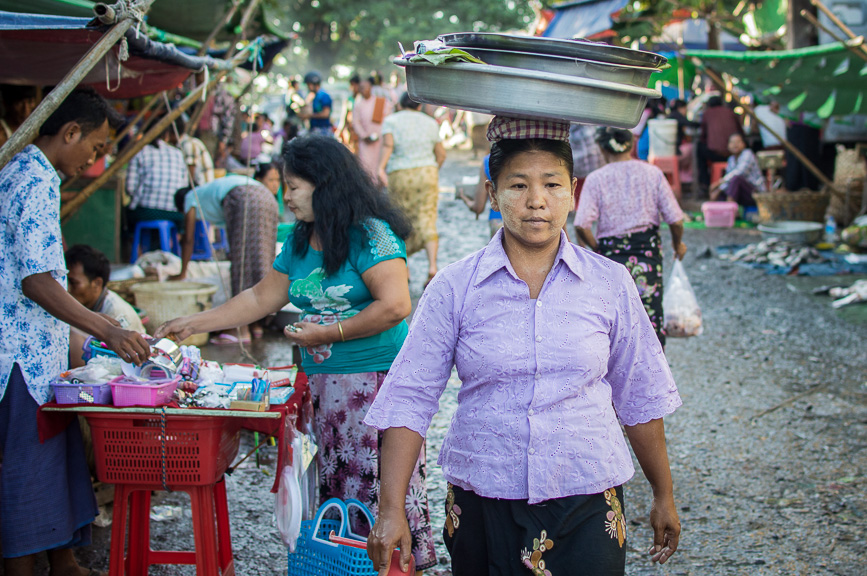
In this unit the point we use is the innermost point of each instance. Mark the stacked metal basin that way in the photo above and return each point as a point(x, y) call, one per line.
point(531, 77)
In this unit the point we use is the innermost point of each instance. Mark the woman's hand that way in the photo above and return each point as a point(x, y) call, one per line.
point(390, 531)
point(666, 529)
point(383, 178)
point(129, 345)
point(308, 334)
point(179, 328)
point(679, 250)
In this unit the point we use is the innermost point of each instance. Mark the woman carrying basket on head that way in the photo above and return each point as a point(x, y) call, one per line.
point(554, 352)
point(344, 265)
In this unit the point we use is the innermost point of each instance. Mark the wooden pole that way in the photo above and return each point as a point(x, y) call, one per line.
point(854, 48)
point(70, 208)
point(797, 153)
point(839, 23)
point(248, 14)
point(120, 135)
point(245, 19)
point(30, 128)
point(222, 23)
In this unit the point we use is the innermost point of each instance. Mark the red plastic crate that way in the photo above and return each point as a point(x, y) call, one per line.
point(127, 448)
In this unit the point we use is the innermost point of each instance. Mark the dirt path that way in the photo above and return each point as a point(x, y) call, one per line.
point(768, 451)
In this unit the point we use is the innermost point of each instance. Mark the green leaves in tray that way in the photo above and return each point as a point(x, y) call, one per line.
point(437, 57)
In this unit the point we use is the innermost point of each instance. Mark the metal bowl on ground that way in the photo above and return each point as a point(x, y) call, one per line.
point(555, 47)
point(630, 75)
point(526, 93)
point(796, 231)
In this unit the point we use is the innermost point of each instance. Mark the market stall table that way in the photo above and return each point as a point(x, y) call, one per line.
point(144, 449)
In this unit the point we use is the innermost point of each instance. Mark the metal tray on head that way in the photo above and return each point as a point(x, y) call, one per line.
point(555, 47)
point(569, 66)
point(526, 93)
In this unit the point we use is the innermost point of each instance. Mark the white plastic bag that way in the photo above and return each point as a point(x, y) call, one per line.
point(682, 312)
point(287, 509)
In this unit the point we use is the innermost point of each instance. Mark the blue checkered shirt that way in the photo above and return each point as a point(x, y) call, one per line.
point(154, 175)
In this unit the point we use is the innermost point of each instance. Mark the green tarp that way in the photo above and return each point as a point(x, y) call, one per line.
point(829, 80)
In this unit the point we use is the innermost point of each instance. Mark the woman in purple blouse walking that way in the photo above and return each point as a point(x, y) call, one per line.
point(554, 351)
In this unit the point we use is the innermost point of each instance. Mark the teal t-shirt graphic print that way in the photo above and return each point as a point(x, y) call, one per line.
point(326, 299)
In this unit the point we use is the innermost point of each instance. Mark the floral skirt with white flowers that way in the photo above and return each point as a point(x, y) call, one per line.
point(349, 455)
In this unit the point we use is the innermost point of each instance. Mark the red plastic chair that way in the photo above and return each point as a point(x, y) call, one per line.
point(717, 170)
point(669, 167)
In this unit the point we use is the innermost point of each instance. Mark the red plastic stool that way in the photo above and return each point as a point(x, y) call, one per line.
point(717, 169)
point(213, 542)
point(671, 169)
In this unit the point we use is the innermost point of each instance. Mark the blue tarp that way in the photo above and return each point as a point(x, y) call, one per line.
point(583, 18)
point(834, 264)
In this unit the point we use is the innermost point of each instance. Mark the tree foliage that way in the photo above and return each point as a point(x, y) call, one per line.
point(365, 33)
point(646, 18)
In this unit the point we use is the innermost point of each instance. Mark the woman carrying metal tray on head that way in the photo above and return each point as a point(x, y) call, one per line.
point(344, 265)
point(554, 351)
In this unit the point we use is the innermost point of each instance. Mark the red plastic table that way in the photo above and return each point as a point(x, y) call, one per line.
point(145, 449)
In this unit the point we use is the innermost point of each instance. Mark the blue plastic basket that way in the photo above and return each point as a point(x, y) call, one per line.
point(315, 555)
point(97, 350)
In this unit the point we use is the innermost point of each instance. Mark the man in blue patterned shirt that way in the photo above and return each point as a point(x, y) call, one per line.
point(46, 498)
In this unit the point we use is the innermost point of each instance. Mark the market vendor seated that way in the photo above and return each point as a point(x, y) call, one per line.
point(46, 498)
point(743, 177)
point(152, 178)
point(87, 278)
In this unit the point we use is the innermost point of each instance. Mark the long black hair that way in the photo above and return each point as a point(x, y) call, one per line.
point(504, 150)
point(344, 196)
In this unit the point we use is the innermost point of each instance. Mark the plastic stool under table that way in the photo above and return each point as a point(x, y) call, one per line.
point(202, 243)
point(213, 542)
point(168, 235)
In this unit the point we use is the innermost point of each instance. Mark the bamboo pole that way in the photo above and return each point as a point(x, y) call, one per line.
point(69, 208)
point(199, 111)
point(839, 23)
point(788, 146)
point(30, 128)
point(223, 22)
point(245, 19)
point(854, 48)
point(120, 135)
point(248, 14)
point(195, 118)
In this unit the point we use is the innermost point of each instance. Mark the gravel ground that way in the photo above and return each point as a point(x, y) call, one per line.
point(768, 450)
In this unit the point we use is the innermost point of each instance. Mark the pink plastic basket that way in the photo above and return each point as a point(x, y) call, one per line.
point(69, 393)
point(126, 392)
point(719, 214)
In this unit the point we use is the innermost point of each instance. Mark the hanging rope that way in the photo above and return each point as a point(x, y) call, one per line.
point(164, 474)
point(131, 9)
point(255, 49)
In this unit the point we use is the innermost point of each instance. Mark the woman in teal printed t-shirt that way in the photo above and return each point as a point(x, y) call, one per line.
point(344, 266)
